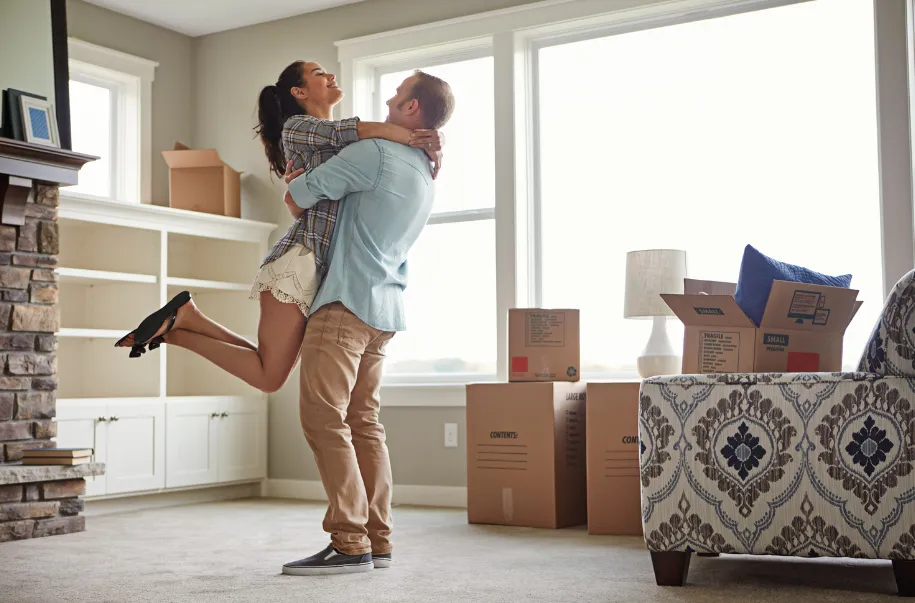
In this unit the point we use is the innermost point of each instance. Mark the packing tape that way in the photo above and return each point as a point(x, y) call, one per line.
point(508, 504)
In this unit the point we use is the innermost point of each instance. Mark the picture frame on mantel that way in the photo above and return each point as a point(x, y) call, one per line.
point(39, 123)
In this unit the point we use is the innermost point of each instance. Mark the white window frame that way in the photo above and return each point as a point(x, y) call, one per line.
point(515, 34)
point(130, 79)
point(373, 68)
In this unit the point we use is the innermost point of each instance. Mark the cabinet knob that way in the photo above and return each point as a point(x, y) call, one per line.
point(101, 420)
point(224, 415)
point(214, 415)
point(112, 419)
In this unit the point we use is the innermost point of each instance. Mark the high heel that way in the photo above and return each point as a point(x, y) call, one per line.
point(145, 334)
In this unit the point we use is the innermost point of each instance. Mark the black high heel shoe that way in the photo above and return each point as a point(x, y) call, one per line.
point(145, 334)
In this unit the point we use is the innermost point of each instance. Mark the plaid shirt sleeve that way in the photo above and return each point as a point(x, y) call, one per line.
point(304, 133)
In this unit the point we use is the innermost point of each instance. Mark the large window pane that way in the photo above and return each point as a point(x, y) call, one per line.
point(90, 113)
point(450, 303)
point(757, 128)
point(467, 178)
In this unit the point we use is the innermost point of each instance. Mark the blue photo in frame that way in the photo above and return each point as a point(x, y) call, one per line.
point(38, 121)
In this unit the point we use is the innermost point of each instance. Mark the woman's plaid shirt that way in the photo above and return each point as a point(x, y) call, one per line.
point(309, 142)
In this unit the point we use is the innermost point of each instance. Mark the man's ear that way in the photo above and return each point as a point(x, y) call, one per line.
point(412, 107)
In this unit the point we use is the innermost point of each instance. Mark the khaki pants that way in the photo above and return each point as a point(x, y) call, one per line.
point(338, 405)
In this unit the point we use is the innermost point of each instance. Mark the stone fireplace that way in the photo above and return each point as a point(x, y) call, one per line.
point(34, 500)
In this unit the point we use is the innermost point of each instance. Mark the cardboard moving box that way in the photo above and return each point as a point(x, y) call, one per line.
point(543, 345)
point(526, 454)
point(612, 436)
point(198, 180)
point(801, 330)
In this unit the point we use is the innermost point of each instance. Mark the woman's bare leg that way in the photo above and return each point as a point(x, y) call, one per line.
point(266, 366)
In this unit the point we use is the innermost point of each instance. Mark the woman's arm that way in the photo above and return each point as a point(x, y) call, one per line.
point(383, 130)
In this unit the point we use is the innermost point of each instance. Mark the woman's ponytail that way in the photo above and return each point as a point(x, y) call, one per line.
point(275, 104)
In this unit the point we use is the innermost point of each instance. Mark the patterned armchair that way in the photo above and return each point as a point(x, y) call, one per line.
point(805, 464)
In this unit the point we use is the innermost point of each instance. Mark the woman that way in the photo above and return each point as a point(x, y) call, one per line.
point(297, 133)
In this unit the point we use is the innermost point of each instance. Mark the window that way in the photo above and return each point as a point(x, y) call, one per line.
point(451, 297)
point(110, 113)
point(668, 124)
point(93, 131)
point(705, 136)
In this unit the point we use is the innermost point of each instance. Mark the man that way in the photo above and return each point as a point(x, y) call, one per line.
point(387, 197)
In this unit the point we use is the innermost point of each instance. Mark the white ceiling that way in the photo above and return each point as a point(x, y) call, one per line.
point(201, 17)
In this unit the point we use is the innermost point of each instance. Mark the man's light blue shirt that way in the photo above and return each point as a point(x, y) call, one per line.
point(386, 194)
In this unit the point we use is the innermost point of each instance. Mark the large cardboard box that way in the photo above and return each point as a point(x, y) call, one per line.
point(526, 454)
point(198, 180)
point(801, 330)
point(612, 437)
point(543, 345)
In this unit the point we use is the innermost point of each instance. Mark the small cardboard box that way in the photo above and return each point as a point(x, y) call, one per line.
point(612, 437)
point(198, 180)
point(543, 345)
point(526, 454)
point(801, 330)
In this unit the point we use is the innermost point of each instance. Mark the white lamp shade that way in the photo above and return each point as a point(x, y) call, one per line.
point(650, 273)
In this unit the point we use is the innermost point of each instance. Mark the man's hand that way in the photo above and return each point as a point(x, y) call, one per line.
point(289, 176)
point(431, 142)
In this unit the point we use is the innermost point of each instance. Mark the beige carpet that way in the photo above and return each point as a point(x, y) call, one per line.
point(233, 551)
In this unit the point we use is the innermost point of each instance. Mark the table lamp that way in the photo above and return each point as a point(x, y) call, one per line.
point(650, 273)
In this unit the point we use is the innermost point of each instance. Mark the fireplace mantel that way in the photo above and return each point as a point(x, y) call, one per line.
point(24, 164)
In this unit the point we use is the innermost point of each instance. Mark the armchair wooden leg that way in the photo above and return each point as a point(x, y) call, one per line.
point(670, 567)
point(905, 577)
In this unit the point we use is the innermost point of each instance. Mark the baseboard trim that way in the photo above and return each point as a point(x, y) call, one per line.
point(143, 502)
point(423, 496)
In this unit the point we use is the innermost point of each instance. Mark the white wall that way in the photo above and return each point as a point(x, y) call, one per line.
point(26, 51)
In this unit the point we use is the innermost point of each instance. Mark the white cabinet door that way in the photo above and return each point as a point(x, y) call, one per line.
point(83, 424)
point(191, 441)
point(243, 439)
point(136, 446)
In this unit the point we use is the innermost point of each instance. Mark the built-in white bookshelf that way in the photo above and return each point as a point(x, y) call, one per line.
point(165, 419)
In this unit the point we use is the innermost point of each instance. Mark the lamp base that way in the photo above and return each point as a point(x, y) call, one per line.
point(658, 357)
point(654, 366)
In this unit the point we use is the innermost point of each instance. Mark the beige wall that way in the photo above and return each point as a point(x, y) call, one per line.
point(173, 89)
point(232, 67)
point(26, 51)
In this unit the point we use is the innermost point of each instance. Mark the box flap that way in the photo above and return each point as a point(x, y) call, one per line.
point(192, 158)
point(805, 307)
point(707, 310)
point(692, 286)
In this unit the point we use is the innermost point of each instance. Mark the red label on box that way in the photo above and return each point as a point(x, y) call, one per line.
point(803, 362)
point(519, 364)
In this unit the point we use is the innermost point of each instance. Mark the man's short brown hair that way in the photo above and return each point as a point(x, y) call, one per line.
point(436, 102)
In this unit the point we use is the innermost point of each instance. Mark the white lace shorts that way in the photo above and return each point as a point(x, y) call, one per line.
point(292, 278)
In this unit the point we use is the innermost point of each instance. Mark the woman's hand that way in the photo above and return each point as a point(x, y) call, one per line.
point(431, 141)
point(289, 176)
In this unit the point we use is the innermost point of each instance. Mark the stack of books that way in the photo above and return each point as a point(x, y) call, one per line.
point(56, 456)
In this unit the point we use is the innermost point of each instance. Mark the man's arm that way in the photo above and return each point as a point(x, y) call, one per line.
point(355, 169)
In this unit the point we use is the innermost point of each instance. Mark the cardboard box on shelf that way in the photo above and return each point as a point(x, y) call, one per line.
point(198, 180)
point(543, 345)
point(801, 330)
point(526, 454)
point(612, 436)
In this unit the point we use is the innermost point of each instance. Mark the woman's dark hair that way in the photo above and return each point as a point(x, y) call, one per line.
point(275, 105)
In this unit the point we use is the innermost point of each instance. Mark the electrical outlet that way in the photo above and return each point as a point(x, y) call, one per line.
point(451, 435)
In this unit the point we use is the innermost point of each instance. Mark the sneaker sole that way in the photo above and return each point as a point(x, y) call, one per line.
point(382, 563)
point(327, 571)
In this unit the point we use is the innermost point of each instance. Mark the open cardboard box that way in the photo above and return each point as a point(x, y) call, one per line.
point(198, 180)
point(801, 330)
